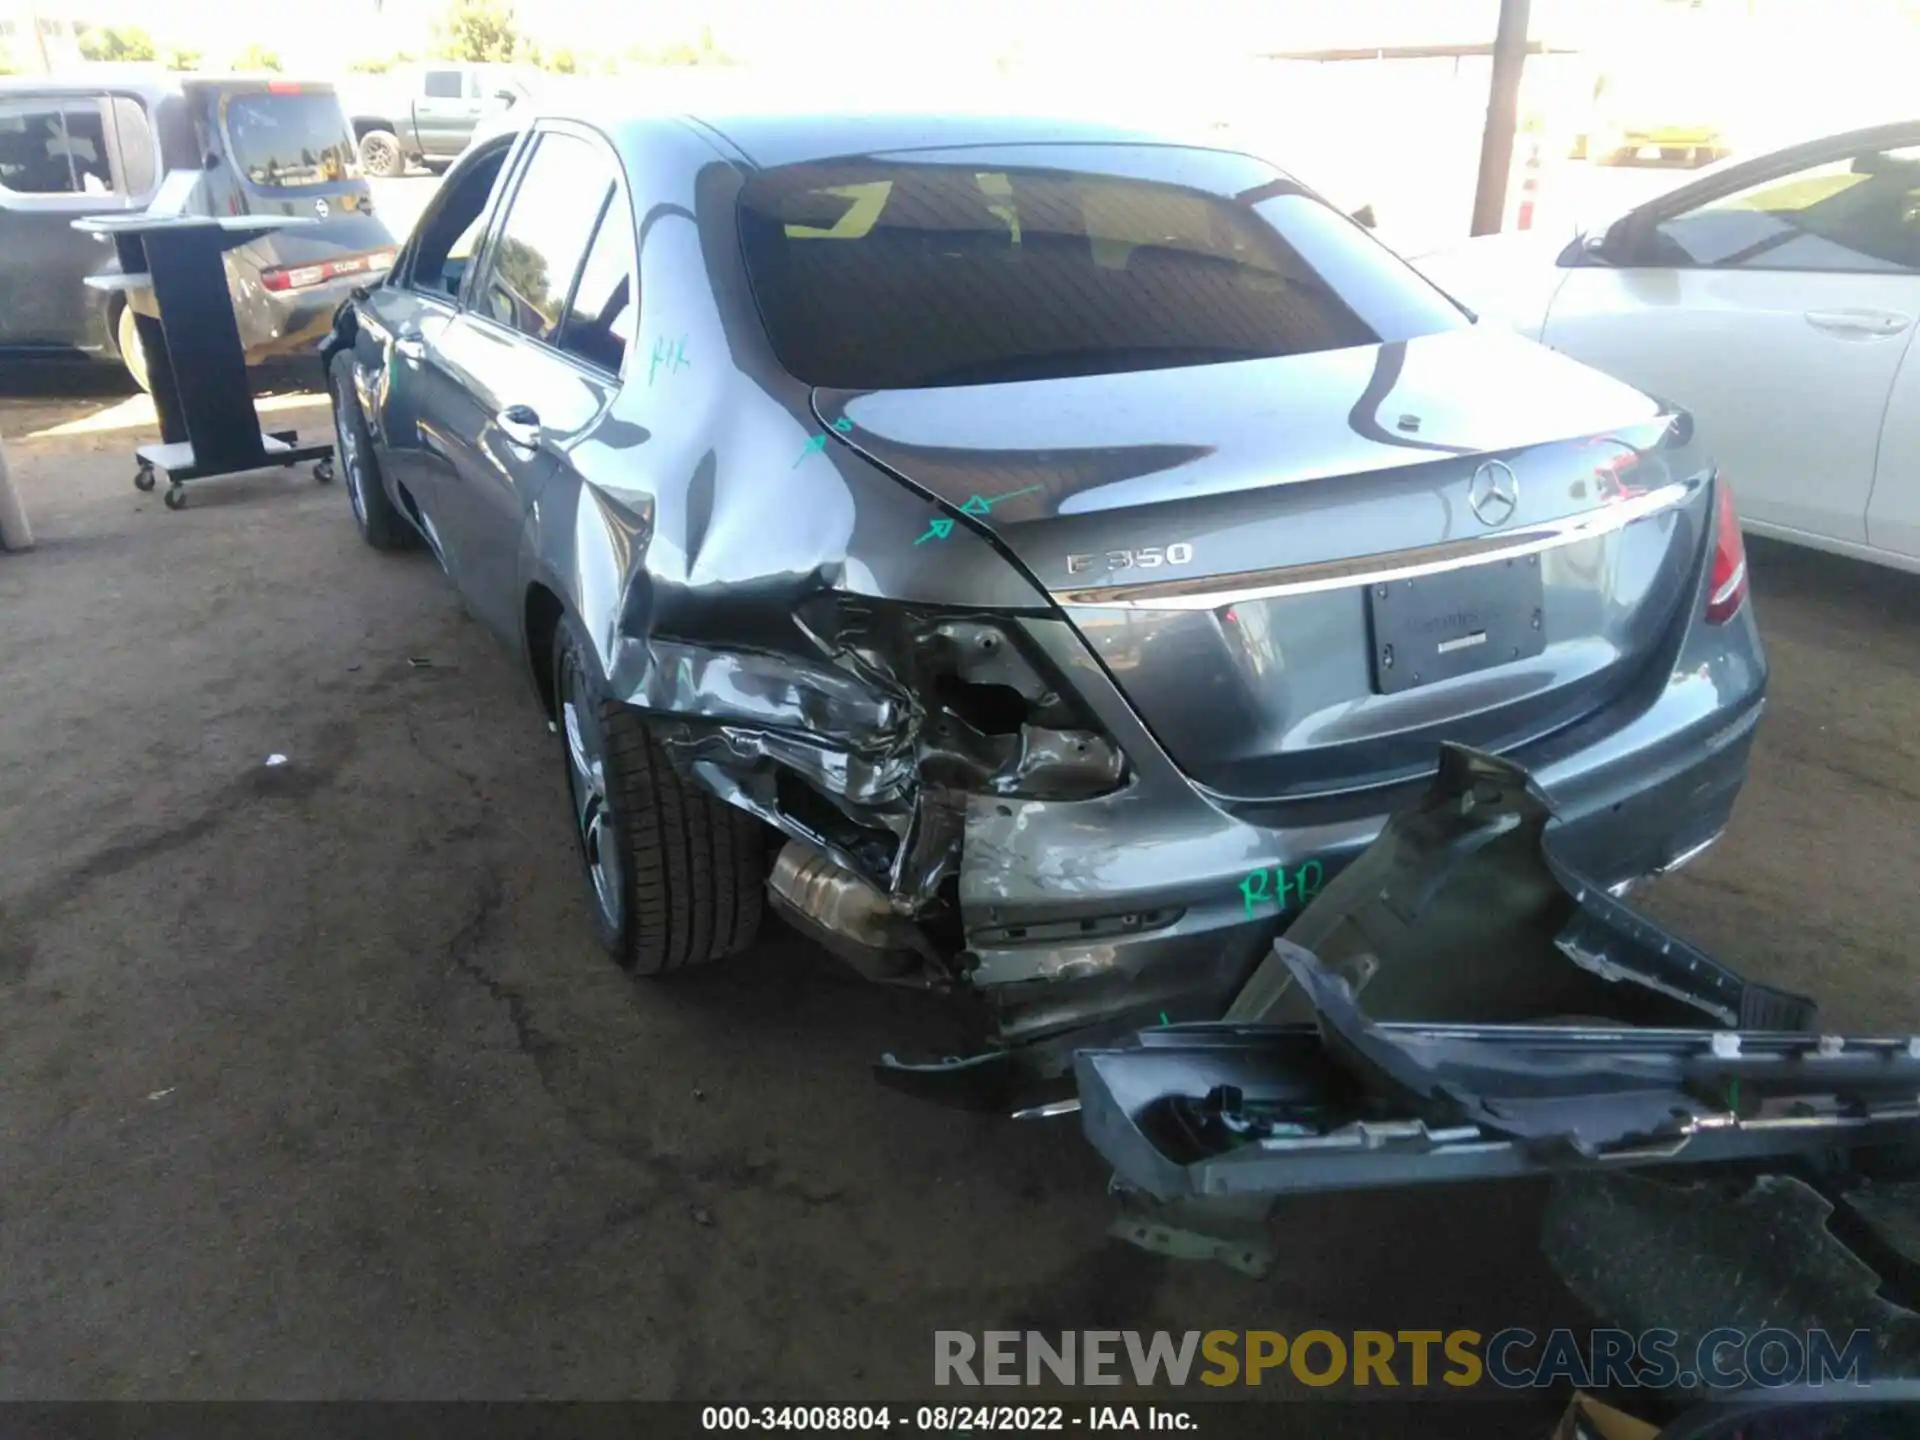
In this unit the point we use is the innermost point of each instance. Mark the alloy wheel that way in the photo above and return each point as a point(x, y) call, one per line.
point(587, 782)
point(379, 157)
point(348, 443)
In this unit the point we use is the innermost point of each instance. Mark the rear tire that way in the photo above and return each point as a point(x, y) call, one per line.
point(126, 337)
point(381, 154)
point(381, 523)
point(676, 875)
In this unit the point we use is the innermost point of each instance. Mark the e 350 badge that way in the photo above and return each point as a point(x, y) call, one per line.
point(1147, 557)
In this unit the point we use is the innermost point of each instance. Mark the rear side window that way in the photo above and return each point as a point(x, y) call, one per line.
point(881, 275)
point(288, 140)
point(443, 84)
point(600, 322)
point(531, 264)
point(54, 146)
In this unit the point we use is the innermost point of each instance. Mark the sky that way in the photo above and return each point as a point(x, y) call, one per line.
point(1131, 58)
point(955, 33)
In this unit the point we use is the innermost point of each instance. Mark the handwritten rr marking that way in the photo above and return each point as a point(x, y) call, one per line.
point(1278, 888)
point(674, 357)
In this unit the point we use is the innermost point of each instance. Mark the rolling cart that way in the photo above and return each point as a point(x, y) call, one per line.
point(196, 367)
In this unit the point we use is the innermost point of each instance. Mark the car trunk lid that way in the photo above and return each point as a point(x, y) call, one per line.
point(1305, 571)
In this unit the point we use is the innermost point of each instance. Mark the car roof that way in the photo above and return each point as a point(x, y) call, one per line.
point(146, 78)
point(768, 128)
point(139, 76)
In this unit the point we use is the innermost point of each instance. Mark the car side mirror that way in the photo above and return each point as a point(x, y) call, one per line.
point(1364, 216)
point(506, 97)
point(1614, 245)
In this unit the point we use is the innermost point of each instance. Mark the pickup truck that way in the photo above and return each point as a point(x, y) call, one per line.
point(427, 113)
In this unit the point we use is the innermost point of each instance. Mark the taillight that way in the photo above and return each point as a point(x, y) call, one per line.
point(1728, 584)
point(304, 277)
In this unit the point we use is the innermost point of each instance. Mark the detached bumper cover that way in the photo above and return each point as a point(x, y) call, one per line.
point(1471, 1009)
point(1219, 1110)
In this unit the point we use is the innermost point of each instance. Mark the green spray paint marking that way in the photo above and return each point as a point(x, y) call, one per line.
point(674, 357)
point(1163, 1017)
point(975, 505)
point(936, 530)
point(819, 442)
point(1280, 889)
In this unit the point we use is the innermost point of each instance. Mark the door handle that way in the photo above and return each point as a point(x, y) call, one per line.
point(410, 349)
point(521, 426)
point(1859, 322)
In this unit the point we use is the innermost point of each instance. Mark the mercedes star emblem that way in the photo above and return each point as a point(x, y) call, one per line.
point(1494, 493)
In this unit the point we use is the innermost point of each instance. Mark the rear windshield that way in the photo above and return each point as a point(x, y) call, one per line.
point(875, 275)
point(289, 141)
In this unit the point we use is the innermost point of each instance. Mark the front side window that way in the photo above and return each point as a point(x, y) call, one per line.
point(443, 84)
point(289, 140)
point(450, 231)
point(885, 275)
point(531, 263)
point(54, 147)
point(1860, 213)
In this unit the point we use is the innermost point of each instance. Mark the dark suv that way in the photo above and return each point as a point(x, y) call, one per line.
point(78, 145)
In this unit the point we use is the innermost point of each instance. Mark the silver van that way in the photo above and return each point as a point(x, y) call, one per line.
point(105, 140)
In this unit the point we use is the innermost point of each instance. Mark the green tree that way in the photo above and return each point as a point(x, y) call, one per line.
point(256, 57)
point(524, 270)
point(181, 58)
point(561, 62)
point(375, 65)
point(479, 30)
point(117, 42)
point(704, 51)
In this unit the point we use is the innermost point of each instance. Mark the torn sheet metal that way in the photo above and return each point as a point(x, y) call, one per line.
point(1461, 911)
point(889, 726)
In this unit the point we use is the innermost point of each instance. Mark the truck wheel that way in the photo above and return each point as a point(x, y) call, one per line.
point(381, 155)
point(126, 337)
point(676, 874)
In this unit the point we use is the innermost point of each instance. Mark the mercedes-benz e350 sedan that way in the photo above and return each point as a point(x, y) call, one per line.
point(1035, 557)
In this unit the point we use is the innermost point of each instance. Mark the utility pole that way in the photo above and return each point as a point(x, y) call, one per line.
point(30, 21)
point(1503, 117)
point(15, 534)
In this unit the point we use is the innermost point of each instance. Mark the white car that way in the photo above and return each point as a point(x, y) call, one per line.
point(1777, 299)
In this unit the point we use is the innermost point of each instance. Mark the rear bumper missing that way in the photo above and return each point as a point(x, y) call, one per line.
point(1093, 918)
point(1460, 1005)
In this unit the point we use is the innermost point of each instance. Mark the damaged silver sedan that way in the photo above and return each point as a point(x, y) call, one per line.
point(1037, 556)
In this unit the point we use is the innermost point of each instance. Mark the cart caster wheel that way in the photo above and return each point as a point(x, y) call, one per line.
point(323, 471)
point(143, 479)
point(176, 497)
